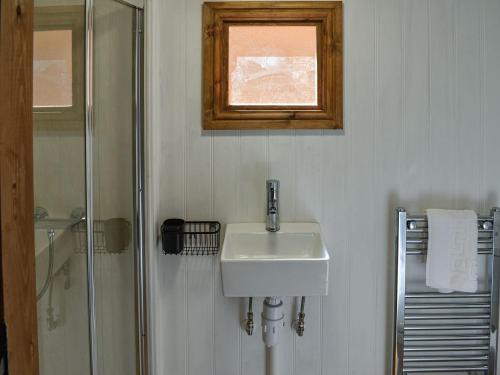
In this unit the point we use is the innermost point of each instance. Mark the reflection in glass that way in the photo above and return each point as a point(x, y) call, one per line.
point(52, 68)
point(272, 65)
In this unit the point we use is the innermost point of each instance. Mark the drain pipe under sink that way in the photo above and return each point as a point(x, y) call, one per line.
point(272, 323)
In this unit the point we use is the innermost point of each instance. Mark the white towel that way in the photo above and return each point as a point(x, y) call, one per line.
point(452, 251)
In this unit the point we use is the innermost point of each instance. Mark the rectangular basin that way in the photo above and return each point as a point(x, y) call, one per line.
point(290, 262)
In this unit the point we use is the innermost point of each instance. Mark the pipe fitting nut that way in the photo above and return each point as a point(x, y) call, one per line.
point(249, 324)
point(301, 324)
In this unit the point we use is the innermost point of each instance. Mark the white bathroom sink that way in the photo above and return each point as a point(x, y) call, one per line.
point(258, 263)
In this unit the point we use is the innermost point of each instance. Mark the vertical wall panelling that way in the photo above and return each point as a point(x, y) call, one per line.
point(308, 208)
point(253, 174)
point(387, 137)
point(198, 202)
point(416, 167)
point(227, 333)
point(482, 102)
point(491, 95)
point(280, 165)
point(469, 127)
point(362, 293)
point(335, 210)
point(444, 134)
point(172, 271)
point(252, 195)
point(421, 110)
point(308, 166)
point(335, 312)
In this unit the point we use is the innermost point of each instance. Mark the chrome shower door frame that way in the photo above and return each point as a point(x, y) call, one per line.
point(139, 197)
point(139, 187)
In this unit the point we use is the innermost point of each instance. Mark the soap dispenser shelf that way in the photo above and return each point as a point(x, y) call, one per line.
point(190, 237)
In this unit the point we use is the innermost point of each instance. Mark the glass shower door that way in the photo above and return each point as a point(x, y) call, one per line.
point(59, 187)
point(88, 187)
point(113, 187)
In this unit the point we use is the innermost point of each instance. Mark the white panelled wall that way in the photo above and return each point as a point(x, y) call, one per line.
point(422, 129)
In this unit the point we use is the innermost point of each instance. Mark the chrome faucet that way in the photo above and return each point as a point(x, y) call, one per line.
point(272, 214)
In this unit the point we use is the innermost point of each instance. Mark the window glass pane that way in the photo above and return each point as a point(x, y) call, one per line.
point(52, 68)
point(272, 65)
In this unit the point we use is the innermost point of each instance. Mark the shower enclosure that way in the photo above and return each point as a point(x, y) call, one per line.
point(89, 187)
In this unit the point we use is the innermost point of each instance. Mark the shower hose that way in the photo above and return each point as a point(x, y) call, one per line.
point(50, 233)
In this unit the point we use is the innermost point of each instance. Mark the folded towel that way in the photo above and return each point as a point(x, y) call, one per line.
point(452, 251)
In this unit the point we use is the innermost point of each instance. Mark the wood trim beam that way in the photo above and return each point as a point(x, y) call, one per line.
point(16, 185)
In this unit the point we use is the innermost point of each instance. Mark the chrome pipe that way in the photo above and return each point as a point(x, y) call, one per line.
point(451, 295)
point(488, 251)
point(400, 293)
point(494, 280)
point(450, 348)
point(424, 229)
point(446, 316)
point(447, 338)
point(456, 358)
point(444, 327)
point(423, 218)
point(444, 369)
point(56, 223)
point(446, 306)
point(89, 124)
point(249, 323)
point(423, 241)
point(300, 323)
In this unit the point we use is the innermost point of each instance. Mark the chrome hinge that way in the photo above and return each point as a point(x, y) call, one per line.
point(139, 24)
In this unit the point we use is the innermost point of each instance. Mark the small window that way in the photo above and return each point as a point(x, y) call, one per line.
point(272, 65)
point(58, 69)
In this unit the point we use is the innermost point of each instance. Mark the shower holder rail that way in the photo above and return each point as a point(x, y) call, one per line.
point(445, 333)
point(196, 238)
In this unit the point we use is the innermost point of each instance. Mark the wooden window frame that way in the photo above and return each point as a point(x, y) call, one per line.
point(327, 16)
point(66, 17)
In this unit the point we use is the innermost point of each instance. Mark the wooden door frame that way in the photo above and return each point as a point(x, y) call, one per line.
point(17, 249)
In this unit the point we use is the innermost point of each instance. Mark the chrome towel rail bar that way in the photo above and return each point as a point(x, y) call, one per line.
point(448, 338)
point(446, 369)
point(445, 333)
point(424, 242)
point(446, 327)
point(456, 358)
point(441, 306)
point(450, 348)
point(449, 295)
point(423, 252)
point(446, 316)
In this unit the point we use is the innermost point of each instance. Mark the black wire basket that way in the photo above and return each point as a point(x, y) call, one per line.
point(190, 237)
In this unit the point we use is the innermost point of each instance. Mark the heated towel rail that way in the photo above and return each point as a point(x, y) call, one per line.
point(445, 333)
